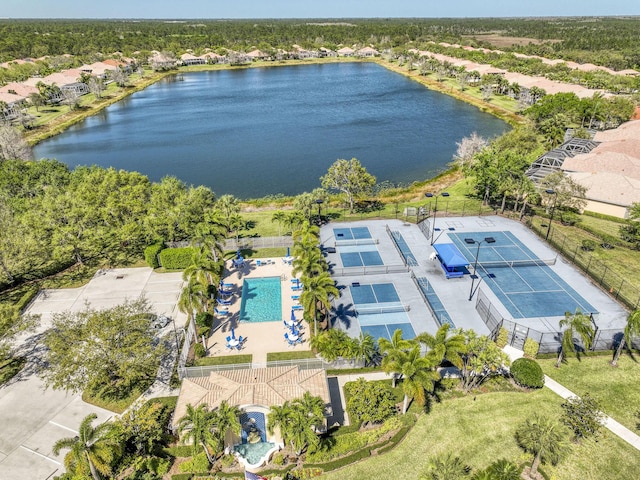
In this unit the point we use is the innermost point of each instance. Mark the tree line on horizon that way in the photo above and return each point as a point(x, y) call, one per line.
point(610, 41)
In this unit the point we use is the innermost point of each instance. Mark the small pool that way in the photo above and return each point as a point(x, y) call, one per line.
point(255, 454)
point(261, 300)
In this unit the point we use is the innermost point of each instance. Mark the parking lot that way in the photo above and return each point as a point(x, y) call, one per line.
point(34, 418)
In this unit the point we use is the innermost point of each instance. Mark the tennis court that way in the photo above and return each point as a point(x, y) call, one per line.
point(356, 233)
point(524, 283)
point(360, 256)
point(379, 310)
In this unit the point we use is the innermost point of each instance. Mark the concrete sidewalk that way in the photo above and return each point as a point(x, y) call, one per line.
point(621, 431)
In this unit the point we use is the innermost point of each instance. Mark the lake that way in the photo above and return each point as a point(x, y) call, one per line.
point(262, 131)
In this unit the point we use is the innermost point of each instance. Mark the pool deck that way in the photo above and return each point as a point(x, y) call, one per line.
point(261, 337)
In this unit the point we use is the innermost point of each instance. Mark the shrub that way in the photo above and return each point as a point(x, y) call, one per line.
point(198, 464)
point(181, 476)
point(204, 319)
point(531, 348)
point(569, 218)
point(227, 460)
point(369, 402)
point(179, 451)
point(527, 373)
point(176, 258)
point(503, 337)
point(26, 298)
point(151, 254)
point(277, 459)
point(199, 350)
point(588, 245)
point(449, 383)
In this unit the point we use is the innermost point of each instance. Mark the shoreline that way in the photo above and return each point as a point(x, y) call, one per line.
point(71, 118)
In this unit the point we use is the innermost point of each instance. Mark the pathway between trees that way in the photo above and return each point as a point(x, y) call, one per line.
point(620, 430)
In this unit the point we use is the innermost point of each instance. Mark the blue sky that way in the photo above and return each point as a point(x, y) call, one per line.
point(311, 8)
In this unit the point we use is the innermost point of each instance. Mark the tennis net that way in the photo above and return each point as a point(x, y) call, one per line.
point(353, 242)
point(517, 263)
point(371, 310)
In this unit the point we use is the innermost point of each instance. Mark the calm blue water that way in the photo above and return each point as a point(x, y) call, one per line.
point(265, 131)
point(261, 300)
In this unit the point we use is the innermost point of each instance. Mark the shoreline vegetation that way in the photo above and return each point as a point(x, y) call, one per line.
point(92, 106)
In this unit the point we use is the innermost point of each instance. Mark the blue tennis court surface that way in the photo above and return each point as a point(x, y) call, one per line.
point(357, 233)
point(360, 256)
point(380, 312)
point(525, 291)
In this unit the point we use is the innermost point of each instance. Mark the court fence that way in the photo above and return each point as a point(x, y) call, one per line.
point(620, 288)
point(403, 250)
point(372, 270)
point(190, 335)
point(550, 341)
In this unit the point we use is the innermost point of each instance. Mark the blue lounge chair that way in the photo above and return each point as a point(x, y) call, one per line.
point(295, 297)
point(222, 301)
point(225, 292)
point(296, 289)
point(220, 311)
point(297, 307)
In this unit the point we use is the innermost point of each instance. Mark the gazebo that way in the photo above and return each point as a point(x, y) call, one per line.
point(451, 260)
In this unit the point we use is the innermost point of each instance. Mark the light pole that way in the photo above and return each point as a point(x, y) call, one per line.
point(319, 202)
point(553, 208)
point(175, 332)
point(471, 241)
point(435, 210)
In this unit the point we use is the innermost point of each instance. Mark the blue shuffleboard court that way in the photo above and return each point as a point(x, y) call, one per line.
point(380, 312)
point(360, 256)
point(356, 233)
point(528, 288)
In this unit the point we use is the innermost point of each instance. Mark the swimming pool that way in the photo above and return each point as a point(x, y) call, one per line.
point(261, 300)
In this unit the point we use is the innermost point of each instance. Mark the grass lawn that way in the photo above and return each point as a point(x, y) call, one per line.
point(274, 356)
point(481, 431)
point(618, 388)
point(230, 360)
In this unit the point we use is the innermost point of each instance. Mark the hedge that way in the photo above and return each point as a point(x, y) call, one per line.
point(176, 258)
point(603, 216)
point(527, 373)
point(151, 254)
point(26, 298)
point(182, 451)
point(181, 476)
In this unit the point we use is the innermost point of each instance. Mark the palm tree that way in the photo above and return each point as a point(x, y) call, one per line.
point(544, 439)
point(416, 372)
point(225, 419)
point(316, 297)
point(93, 449)
point(446, 467)
point(308, 260)
point(211, 234)
point(298, 422)
point(501, 470)
point(632, 329)
point(306, 233)
point(194, 298)
point(365, 348)
point(228, 206)
point(443, 346)
point(279, 217)
point(203, 269)
point(197, 426)
point(391, 349)
point(579, 324)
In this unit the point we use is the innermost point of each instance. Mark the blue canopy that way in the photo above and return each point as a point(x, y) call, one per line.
point(450, 256)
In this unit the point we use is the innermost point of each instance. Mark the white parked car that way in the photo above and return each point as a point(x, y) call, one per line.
point(159, 321)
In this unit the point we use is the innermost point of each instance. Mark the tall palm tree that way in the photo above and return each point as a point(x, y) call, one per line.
point(203, 269)
point(279, 217)
point(226, 418)
point(194, 298)
point(197, 426)
point(391, 349)
point(543, 438)
point(92, 451)
point(211, 234)
point(416, 372)
point(577, 323)
point(228, 206)
point(298, 421)
point(308, 261)
point(365, 348)
point(632, 329)
point(306, 232)
point(443, 346)
point(316, 297)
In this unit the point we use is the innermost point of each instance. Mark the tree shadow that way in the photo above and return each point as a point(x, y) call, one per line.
point(343, 313)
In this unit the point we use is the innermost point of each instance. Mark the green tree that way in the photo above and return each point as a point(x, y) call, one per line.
point(416, 372)
point(481, 359)
point(583, 415)
point(350, 178)
point(142, 425)
point(631, 329)
point(574, 324)
point(369, 402)
point(443, 346)
point(228, 206)
point(365, 348)
point(542, 438)
point(196, 427)
point(279, 217)
point(298, 421)
point(393, 349)
point(92, 451)
point(109, 352)
point(446, 467)
point(316, 297)
point(499, 470)
point(226, 418)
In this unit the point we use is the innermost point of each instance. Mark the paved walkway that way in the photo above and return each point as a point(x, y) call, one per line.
point(621, 431)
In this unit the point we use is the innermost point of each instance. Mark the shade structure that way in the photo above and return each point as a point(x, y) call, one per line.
point(288, 252)
point(233, 333)
point(293, 315)
point(452, 261)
